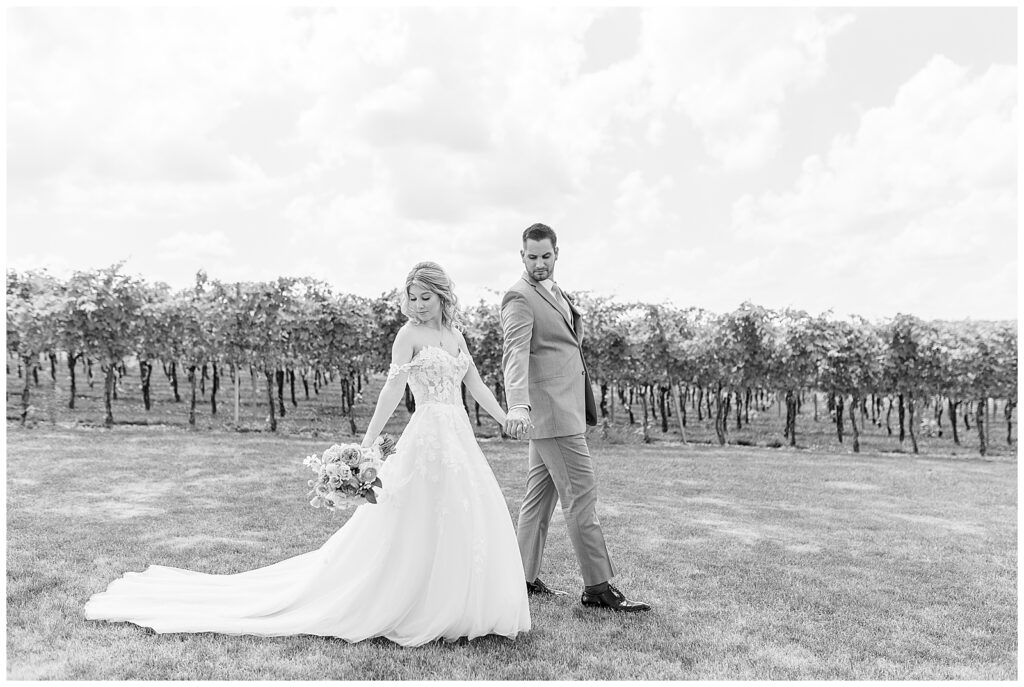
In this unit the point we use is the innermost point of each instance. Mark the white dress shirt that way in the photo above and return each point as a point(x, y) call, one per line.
point(562, 302)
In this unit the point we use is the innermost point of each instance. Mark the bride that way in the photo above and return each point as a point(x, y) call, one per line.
point(436, 557)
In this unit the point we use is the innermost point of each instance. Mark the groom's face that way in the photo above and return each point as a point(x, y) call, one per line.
point(539, 257)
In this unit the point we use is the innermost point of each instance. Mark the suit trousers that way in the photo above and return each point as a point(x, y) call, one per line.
point(561, 469)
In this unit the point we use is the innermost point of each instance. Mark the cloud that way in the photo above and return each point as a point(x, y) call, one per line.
point(461, 111)
point(417, 109)
point(729, 71)
point(923, 190)
point(349, 143)
point(947, 140)
point(638, 251)
point(113, 111)
point(195, 247)
point(469, 111)
point(640, 203)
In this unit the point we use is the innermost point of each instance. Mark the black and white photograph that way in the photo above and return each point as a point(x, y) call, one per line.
point(511, 343)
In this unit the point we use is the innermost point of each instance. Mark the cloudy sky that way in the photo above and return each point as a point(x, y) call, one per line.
point(862, 160)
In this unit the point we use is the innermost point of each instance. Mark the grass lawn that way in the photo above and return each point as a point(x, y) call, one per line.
point(760, 564)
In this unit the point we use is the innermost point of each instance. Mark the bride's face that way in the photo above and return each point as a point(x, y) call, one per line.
point(424, 305)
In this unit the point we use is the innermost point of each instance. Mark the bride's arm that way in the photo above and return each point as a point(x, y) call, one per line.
point(394, 388)
point(478, 390)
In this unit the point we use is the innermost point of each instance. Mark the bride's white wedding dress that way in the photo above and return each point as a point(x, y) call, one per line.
point(436, 557)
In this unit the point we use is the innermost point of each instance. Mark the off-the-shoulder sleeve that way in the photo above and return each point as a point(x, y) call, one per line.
point(399, 371)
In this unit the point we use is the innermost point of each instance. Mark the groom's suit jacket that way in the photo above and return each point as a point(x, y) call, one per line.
point(543, 361)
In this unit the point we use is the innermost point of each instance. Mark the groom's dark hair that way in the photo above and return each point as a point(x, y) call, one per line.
point(539, 232)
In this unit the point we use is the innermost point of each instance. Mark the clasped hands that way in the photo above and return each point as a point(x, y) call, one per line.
point(517, 423)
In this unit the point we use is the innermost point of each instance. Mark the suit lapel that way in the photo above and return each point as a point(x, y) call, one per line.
point(549, 297)
point(577, 318)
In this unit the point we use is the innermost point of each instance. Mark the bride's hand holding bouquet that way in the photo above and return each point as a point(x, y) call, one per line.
point(345, 472)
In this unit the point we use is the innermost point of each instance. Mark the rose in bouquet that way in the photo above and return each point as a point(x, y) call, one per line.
point(347, 472)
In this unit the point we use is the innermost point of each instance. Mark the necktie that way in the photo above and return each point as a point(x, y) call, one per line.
point(560, 299)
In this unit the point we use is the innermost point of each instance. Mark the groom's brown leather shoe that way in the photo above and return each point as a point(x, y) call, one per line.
point(614, 599)
point(538, 587)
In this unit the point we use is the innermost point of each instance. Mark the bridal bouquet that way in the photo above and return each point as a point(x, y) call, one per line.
point(345, 472)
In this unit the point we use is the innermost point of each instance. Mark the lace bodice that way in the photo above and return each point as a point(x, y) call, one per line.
point(434, 375)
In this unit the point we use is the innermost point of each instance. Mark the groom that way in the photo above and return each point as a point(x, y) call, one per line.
point(549, 396)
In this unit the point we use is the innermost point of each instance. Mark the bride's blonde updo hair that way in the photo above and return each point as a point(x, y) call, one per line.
point(433, 278)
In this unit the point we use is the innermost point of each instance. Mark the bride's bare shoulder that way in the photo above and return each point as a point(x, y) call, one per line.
point(408, 336)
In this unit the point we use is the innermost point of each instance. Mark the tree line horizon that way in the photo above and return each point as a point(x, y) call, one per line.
point(657, 355)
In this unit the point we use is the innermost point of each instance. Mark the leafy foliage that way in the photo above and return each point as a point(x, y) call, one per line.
point(299, 323)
